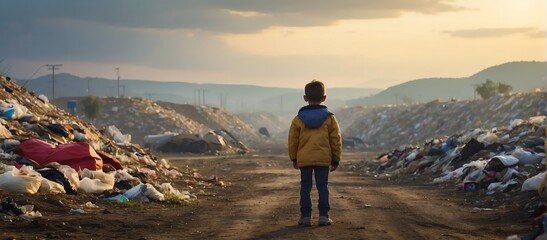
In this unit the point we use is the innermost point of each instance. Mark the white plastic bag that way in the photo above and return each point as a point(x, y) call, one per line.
point(533, 183)
point(526, 157)
point(144, 192)
point(169, 191)
point(105, 178)
point(152, 193)
point(16, 181)
point(48, 186)
point(88, 185)
point(71, 175)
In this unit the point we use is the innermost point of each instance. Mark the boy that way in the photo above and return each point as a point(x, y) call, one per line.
point(315, 145)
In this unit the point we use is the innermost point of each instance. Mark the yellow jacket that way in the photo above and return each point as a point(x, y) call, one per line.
point(314, 137)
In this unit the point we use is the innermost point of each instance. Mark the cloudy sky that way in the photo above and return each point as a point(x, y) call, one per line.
point(283, 43)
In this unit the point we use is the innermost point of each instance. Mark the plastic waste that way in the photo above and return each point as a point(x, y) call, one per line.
point(77, 211)
point(118, 198)
point(526, 157)
point(123, 139)
point(47, 186)
point(91, 205)
point(25, 180)
point(88, 185)
point(123, 175)
point(144, 192)
point(533, 183)
point(12, 110)
point(499, 187)
point(71, 175)
point(470, 187)
point(43, 98)
point(106, 178)
point(170, 192)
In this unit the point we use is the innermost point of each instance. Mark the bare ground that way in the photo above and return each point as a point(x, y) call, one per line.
point(260, 201)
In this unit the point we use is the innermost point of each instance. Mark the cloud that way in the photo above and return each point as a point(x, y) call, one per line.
point(232, 16)
point(538, 34)
point(488, 32)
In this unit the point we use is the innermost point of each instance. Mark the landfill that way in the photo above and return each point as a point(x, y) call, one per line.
point(395, 125)
point(160, 118)
point(493, 148)
point(46, 150)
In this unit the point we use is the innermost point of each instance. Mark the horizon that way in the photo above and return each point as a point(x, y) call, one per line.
point(348, 44)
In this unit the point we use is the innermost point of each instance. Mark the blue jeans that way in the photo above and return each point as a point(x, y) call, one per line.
point(322, 184)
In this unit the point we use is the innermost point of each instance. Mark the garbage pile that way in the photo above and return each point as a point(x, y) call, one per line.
point(139, 117)
point(216, 118)
point(217, 142)
point(504, 163)
point(43, 149)
point(391, 126)
point(142, 118)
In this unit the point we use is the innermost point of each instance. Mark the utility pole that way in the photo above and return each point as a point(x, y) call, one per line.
point(118, 71)
point(223, 100)
point(203, 96)
point(123, 90)
point(53, 67)
point(201, 93)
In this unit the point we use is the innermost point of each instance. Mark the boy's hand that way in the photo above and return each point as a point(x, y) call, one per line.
point(295, 165)
point(333, 168)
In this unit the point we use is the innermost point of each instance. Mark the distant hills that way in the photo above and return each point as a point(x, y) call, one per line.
point(231, 97)
point(522, 76)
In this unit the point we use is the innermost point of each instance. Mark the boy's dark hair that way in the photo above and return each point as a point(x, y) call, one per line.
point(315, 91)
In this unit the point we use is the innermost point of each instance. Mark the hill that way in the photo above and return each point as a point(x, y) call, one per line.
point(522, 76)
point(231, 97)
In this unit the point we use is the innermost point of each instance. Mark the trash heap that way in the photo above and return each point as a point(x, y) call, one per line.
point(139, 117)
point(144, 119)
point(502, 166)
point(43, 149)
point(392, 126)
point(215, 119)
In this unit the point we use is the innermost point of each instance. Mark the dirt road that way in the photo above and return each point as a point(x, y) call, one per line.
point(260, 201)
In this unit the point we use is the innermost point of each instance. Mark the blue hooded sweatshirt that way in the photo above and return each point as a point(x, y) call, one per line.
point(313, 116)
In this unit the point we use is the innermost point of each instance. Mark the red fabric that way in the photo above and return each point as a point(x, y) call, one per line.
point(109, 159)
point(76, 155)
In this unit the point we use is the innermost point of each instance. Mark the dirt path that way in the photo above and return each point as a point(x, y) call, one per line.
point(260, 201)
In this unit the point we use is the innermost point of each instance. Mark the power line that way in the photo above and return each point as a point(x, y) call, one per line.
point(53, 67)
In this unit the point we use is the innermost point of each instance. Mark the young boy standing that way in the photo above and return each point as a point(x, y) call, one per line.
point(315, 147)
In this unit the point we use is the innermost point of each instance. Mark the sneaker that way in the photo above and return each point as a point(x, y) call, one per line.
point(324, 221)
point(305, 221)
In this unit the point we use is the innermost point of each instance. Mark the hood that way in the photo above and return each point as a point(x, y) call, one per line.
point(313, 116)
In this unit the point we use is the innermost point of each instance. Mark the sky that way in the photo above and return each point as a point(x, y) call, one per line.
point(274, 43)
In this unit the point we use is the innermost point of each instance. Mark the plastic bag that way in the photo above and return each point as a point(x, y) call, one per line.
point(170, 192)
point(71, 175)
point(47, 186)
point(88, 185)
point(533, 183)
point(526, 157)
point(16, 181)
point(144, 192)
point(105, 178)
